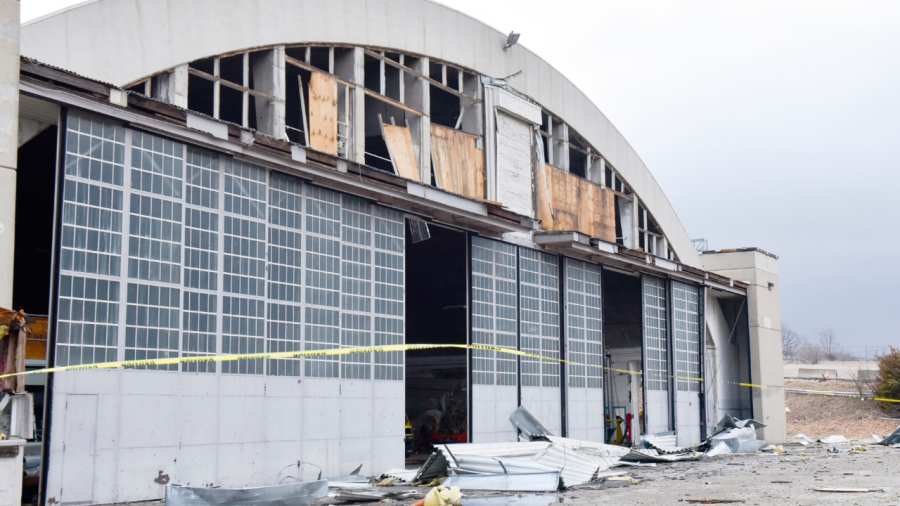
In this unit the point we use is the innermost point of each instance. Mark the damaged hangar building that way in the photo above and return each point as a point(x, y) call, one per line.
point(202, 178)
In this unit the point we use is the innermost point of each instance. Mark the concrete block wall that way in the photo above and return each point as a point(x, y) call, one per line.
point(758, 269)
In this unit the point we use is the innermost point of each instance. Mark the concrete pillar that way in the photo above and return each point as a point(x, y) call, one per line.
point(417, 96)
point(268, 78)
point(760, 271)
point(9, 137)
point(358, 124)
point(172, 87)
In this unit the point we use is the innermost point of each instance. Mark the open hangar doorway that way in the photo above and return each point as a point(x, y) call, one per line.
point(623, 355)
point(436, 313)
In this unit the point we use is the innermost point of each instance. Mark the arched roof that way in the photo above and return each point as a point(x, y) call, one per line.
point(121, 41)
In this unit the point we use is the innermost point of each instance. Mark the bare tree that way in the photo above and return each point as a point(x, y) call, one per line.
point(791, 343)
point(828, 341)
point(812, 353)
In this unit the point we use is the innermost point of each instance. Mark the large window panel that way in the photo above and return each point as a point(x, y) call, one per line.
point(539, 317)
point(584, 343)
point(686, 305)
point(657, 366)
point(493, 311)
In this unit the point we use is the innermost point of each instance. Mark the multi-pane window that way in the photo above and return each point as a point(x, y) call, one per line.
point(243, 332)
point(389, 294)
point(583, 324)
point(91, 229)
point(219, 259)
point(87, 320)
point(151, 324)
point(686, 305)
point(356, 285)
point(201, 244)
point(154, 242)
point(201, 178)
point(157, 165)
point(656, 348)
point(198, 325)
point(539, 317)
point(95, 149)
point(493, 311)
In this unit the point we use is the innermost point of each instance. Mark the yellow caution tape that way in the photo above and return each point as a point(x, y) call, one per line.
point(360, 349)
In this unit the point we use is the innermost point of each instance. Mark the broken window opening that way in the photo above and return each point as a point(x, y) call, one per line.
point(436, 71)
point(296, 107)
point(393, 87)
point(377, 154)
point(445, 108)
point(436, 313)
point(206, 65)
point(320, 58)
point(231, 68)
point(142, 87)
point(344, 64)
point(231, 105)
point(372, 73)
point(201, 95)
point(578, 162)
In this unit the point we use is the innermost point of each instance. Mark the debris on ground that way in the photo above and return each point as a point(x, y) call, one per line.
point(288, 494)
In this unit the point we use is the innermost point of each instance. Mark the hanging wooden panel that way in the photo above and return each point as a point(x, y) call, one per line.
point(575, 204)
point(323, 113)
point(403, 154)
point(458, 164)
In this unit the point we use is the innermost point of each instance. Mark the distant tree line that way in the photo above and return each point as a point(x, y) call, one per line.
point(796, 346)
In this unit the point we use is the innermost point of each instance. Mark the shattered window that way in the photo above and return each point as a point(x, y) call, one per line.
point(686, 303)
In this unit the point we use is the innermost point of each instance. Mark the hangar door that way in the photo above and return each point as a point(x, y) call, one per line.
point(656, 357)
point(539, 334)
point(584, 351)
point(686, 325)
point(494, 374)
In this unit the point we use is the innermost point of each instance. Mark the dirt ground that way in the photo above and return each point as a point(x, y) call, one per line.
point(822, 416)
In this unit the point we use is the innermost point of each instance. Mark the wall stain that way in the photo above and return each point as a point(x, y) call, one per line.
point(162, 479)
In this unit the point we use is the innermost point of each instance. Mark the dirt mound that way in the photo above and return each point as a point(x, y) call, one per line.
point(824, 415)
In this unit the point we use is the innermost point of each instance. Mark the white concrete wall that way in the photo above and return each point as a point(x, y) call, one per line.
point(585, 417)
point(9, 136)
point(215, 430)
point(764, 312)
point(121, 41)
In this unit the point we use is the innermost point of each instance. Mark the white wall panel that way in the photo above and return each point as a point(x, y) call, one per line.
point(514, 164)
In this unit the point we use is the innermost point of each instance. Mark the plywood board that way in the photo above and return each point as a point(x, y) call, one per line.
point(323, 113)
point(403, 154)
point(575, 204)
point(458, 164)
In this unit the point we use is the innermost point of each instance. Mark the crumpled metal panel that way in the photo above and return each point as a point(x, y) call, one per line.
point(527, 423)
point(523, 449)
point(575, 468)
point(590, 447)
point(494, 465)
point(290, 494)
point(527, 482)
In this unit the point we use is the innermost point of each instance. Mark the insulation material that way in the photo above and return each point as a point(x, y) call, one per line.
point(323, 111)
point(576, 204)
point(514, 169)
point(458, 164)
point(403, 154)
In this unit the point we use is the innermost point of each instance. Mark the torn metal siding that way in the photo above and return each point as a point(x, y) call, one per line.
point(515, 177)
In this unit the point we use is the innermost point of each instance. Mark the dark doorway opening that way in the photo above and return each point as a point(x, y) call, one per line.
point(623, 351)
point(34, 223)
point(436, 313)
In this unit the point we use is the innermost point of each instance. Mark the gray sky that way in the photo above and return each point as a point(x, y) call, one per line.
point(773, 124)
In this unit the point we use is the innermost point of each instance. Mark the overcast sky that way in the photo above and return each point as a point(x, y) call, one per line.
point(773, 124)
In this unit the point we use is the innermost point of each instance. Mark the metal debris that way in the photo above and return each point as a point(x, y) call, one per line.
point(527, 424)
point(371, 496)
point(289, 494)
point(523, 482)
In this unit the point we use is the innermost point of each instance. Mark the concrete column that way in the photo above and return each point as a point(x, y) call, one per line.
point(268, 78)
point(172, 87)
point(759, 270)
point(417, 95)
point(358, 151)
point(9, 137)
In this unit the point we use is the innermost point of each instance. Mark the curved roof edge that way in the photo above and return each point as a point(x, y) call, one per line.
point(96, 39)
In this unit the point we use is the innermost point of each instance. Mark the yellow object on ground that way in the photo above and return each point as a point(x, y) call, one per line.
point(440, 496)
